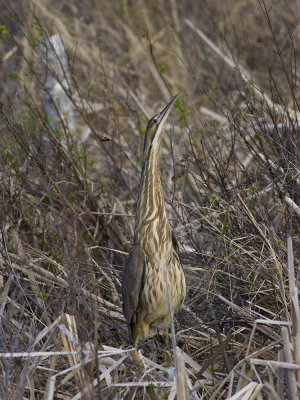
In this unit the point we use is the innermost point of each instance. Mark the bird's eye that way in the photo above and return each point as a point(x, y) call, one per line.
point(153, 121)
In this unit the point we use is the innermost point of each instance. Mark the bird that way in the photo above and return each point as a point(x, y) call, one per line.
point(152, 264)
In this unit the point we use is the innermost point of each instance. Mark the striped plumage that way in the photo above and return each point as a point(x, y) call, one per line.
point(153, 255)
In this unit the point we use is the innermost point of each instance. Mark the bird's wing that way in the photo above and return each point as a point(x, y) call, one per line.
point(132, 285)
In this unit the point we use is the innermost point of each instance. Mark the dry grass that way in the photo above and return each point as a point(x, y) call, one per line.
point(230, 170)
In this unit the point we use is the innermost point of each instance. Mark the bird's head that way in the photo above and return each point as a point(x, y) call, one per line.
point(155, 127)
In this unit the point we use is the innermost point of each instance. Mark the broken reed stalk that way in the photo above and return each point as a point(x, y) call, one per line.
point(70, 342)
point(295, 310)
point(180, 373)
point(287, 348)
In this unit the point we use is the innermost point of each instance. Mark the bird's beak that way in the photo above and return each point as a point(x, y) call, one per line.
point(163, 115)
point(155, 127)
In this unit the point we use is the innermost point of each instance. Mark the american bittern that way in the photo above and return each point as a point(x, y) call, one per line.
point(153, 256)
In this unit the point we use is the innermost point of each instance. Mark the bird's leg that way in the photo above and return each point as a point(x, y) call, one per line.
point(166, 338)
point(137, 335)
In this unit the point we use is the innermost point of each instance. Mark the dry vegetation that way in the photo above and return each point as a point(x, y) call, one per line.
point(230, 164)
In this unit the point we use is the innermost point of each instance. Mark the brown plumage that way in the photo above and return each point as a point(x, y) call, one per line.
point(153, 256)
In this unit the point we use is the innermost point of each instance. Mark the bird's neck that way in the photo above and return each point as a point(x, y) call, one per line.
point(152, 227)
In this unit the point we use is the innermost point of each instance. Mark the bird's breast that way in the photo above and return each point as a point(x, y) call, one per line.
point(155, 290)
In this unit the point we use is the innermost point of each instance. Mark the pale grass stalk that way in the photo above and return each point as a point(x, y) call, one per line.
point(292, 204)
point(277, 364)
point(10, 53)
point(245, 392)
